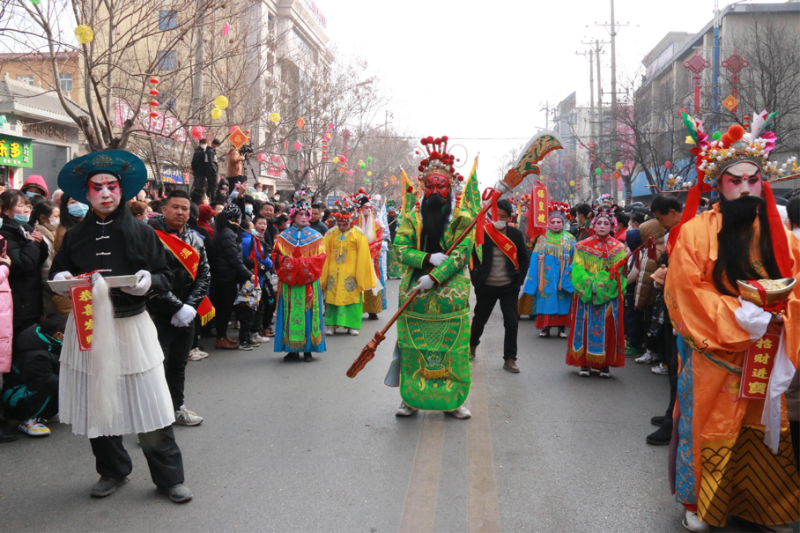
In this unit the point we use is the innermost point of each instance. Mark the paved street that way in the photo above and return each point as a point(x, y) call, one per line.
point(301, 447)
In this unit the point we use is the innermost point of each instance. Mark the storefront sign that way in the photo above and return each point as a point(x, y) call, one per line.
point(333, 199)
point(16, 152)
point(172, 175)
point(46, 131)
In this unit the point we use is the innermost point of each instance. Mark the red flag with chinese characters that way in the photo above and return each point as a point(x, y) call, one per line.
point(537, 221)
point(758, 363)
point(81, 296)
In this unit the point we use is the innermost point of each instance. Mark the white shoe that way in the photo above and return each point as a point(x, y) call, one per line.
point(404, 410)
point(353, 332)
point(647, 359)
point(660, 370)
point(330, 331)
point(257, 338)
point(196, 354)
point(694, 524)
point(462, 413)
point(584, 372)
point(33, 428)
point(185, 417)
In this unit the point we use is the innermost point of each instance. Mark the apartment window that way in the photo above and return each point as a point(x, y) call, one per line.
point(66, 82)
point(167, 60)
point(25, 78)
point(167, 20)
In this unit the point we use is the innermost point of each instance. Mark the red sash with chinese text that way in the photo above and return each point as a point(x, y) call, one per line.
point(758, 363)
point(503, 243)
point(190, 259)
point(81, 297)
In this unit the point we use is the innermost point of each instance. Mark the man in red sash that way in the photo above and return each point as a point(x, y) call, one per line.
point(173, 312)
point(499, 277)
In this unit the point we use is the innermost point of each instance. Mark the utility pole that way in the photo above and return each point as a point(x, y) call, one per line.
point(199, 60)
point(386, 122)
point(612, 31)
point(546, 110)
point(590, 55)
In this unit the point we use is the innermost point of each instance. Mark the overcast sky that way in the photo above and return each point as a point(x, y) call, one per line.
point(484, 69)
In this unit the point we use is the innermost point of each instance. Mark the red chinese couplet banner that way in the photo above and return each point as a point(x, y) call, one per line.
point(81, 296)
point(758, 362)
point(540, 201)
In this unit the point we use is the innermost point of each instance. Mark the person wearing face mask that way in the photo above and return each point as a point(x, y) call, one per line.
point(72, 212)
point(117, 385)
point(30, 390)
point(498, 276)
point(597, 337)
point(28, 252)
point(35, 186)
point(550, 273)
point(47, 214)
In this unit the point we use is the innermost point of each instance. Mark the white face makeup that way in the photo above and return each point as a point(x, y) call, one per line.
point(104, 193)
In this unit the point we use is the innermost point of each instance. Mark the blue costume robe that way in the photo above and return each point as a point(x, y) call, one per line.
point(549, 279)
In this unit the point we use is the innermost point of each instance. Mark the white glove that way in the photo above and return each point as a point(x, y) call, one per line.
point(142, 286)
point(184, 316)
point(62, 276)
point(425, 283)
point(753, 319)
point(437, 259)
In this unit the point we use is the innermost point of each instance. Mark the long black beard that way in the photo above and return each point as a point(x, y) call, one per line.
point(435, 212)
point(735, 238)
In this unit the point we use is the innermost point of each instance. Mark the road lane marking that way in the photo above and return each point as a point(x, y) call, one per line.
point(420, 508)
point(482, 509)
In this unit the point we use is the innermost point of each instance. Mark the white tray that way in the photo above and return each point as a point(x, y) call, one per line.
point(113, 282)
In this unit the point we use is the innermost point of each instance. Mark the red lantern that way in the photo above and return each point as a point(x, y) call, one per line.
point(247, 132)
point(605, 177)
point(197, 132)
point(154, 114)
point(153, 103)
point(668, 165)
point(153, 80)
point(153, 92)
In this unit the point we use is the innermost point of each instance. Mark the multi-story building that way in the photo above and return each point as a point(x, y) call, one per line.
point(573, 123)
point(37, 70)
point(669, 83)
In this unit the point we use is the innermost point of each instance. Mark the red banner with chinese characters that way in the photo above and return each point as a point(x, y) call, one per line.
point(540, 201)
point(758, 362)
point(81, 296)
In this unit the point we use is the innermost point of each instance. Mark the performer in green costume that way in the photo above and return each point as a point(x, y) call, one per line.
point(431, 359)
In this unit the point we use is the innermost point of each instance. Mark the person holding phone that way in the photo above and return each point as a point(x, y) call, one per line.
point(27, 251)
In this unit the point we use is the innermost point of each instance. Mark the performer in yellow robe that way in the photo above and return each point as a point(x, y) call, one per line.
point(347, 273)
point(732, 453)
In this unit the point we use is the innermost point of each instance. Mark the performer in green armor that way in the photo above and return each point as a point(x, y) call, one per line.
point(431, 359)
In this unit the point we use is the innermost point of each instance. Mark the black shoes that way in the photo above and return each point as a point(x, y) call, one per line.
point(6, 435)
point(291, 356)
point(658, 420)
point(307, 357)
point(373, 316)
point(107, 486)
point(661, 436)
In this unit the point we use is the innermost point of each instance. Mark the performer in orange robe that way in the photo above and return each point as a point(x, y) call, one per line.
point(732, 455)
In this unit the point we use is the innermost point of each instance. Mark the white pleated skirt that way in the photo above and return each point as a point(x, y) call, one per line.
point(144, 399)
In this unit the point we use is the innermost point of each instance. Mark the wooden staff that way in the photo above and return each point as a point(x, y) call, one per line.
point(368, 352)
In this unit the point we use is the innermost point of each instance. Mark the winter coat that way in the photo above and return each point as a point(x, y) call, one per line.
point(35, 181)
point(481, 269)
point(27, 257)
point(264, 262)
point(47, 294)
point(6, 317)
point(61, 304)
point(320, 227)
point(235, 163)
point(36, 361)
point(644, 294)
point(227, 262)
point(184, 290)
